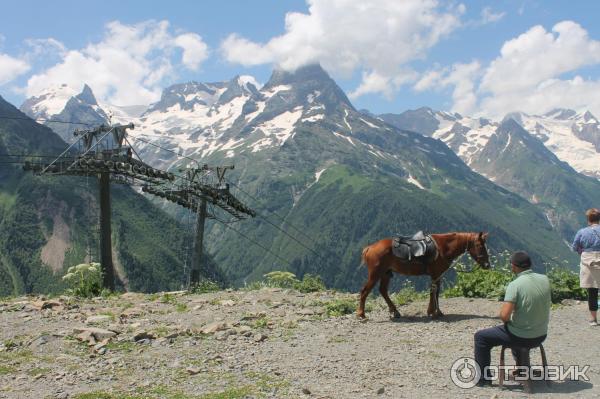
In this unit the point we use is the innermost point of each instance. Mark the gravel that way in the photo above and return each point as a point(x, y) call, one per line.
point(268, 343)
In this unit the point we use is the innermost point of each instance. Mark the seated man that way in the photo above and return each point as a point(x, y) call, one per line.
point(525, 312)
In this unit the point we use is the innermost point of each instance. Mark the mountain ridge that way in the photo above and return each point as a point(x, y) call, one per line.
point(343, 177)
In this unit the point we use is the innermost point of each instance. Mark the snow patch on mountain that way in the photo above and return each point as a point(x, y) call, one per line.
point(414, 181)
point(49, 102)
point(557, 132)
point(281, 127)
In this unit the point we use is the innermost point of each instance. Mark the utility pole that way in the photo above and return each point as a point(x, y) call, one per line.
point(102, 156)
point(198, 242)
point(201, 219)
point(106, 261)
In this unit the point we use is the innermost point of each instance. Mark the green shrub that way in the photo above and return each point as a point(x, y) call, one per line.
point(408, 294)
point(565, 285)
point(492, 283)
point(281, 279)
point(205, 286)
point(341, 307)
point(310, 283)
point(481, 283)
point(85, 280)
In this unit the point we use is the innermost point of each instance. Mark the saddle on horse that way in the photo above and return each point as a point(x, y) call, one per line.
point(419, 247)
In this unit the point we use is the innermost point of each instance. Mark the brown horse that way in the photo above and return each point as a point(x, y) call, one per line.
point(381, 262)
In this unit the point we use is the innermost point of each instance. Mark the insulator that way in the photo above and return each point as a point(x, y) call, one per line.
point(136, 169)
point(109, 164)
point(143, 170)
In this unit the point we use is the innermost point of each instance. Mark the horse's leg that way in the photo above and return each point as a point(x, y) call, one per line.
point(384, 283)
point(364, 293)
point(434, 294)
point(431, 306)
point(437, 313)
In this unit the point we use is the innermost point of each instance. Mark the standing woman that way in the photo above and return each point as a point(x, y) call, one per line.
point(587, 244)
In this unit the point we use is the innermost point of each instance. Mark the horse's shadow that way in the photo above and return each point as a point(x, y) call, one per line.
point(447, 318)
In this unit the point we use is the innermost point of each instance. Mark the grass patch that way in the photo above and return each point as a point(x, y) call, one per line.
point(121, 346)
point(261, 322)
point(230, 393)
point(39, 370)
point(168, 298)
point(181, 307)
point(7, 369)
point(341, 307)
point(107, 395)
point(408, 294)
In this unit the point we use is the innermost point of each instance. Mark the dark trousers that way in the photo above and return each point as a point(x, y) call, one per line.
point(592, 299)
point(488, 338)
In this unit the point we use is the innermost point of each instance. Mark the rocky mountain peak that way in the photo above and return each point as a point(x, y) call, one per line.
point(87, 96)
point(307, 84)
point(588, 117)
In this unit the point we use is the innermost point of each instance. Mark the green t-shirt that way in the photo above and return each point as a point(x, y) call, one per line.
point(530, 292)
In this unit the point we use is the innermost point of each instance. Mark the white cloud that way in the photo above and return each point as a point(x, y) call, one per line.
point(528, 75)
point(488, 16)
point(127, 66)
point(377, 37)
point(195, 51)
point(40, 47)
point(461, 77)
point(529, 70)
point(11, 67)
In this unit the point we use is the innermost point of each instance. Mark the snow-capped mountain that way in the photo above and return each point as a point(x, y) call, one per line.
point(545, 159)
point(345, 178)
point(574, 137)
point(50, 102)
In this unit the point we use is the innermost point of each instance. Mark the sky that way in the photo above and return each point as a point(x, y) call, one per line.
point(480, 58)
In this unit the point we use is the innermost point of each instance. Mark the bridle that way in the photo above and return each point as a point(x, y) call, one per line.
point(453, 265)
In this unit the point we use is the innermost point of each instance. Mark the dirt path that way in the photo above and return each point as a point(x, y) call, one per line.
point(267, 343)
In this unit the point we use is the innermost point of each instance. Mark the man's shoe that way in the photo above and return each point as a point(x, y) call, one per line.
point(593, 323)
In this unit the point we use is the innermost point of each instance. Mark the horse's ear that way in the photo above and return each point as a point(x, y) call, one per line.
point(483, 236)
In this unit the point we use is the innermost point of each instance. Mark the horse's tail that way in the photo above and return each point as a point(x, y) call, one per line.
point(364, 255)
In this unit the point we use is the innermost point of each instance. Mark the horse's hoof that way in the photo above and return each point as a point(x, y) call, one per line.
point(437, 315)
point(361, 316)
point(395, 315)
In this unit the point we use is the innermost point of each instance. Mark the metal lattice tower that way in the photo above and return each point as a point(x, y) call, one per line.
point(102, 152)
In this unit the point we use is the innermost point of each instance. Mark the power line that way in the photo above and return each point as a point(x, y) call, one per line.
point(20, 118)
point(182, 177)
point(254, 242)
point(262, 217)
point(273, 212)
point(287, 234)
point(166, 149)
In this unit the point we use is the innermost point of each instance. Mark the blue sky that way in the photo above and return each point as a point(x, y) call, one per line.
point(442, 54)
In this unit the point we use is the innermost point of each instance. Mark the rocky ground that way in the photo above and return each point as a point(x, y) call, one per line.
point(268, 343)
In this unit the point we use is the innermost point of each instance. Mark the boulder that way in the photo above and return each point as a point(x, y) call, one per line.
point(214, 327)
point(99, 334)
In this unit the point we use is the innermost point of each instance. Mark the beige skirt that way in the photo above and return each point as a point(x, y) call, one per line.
point(589, 272)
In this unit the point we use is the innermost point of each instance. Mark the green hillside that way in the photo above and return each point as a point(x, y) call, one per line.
point(49, 223)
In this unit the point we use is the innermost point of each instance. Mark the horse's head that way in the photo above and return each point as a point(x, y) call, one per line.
point(478, 251)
